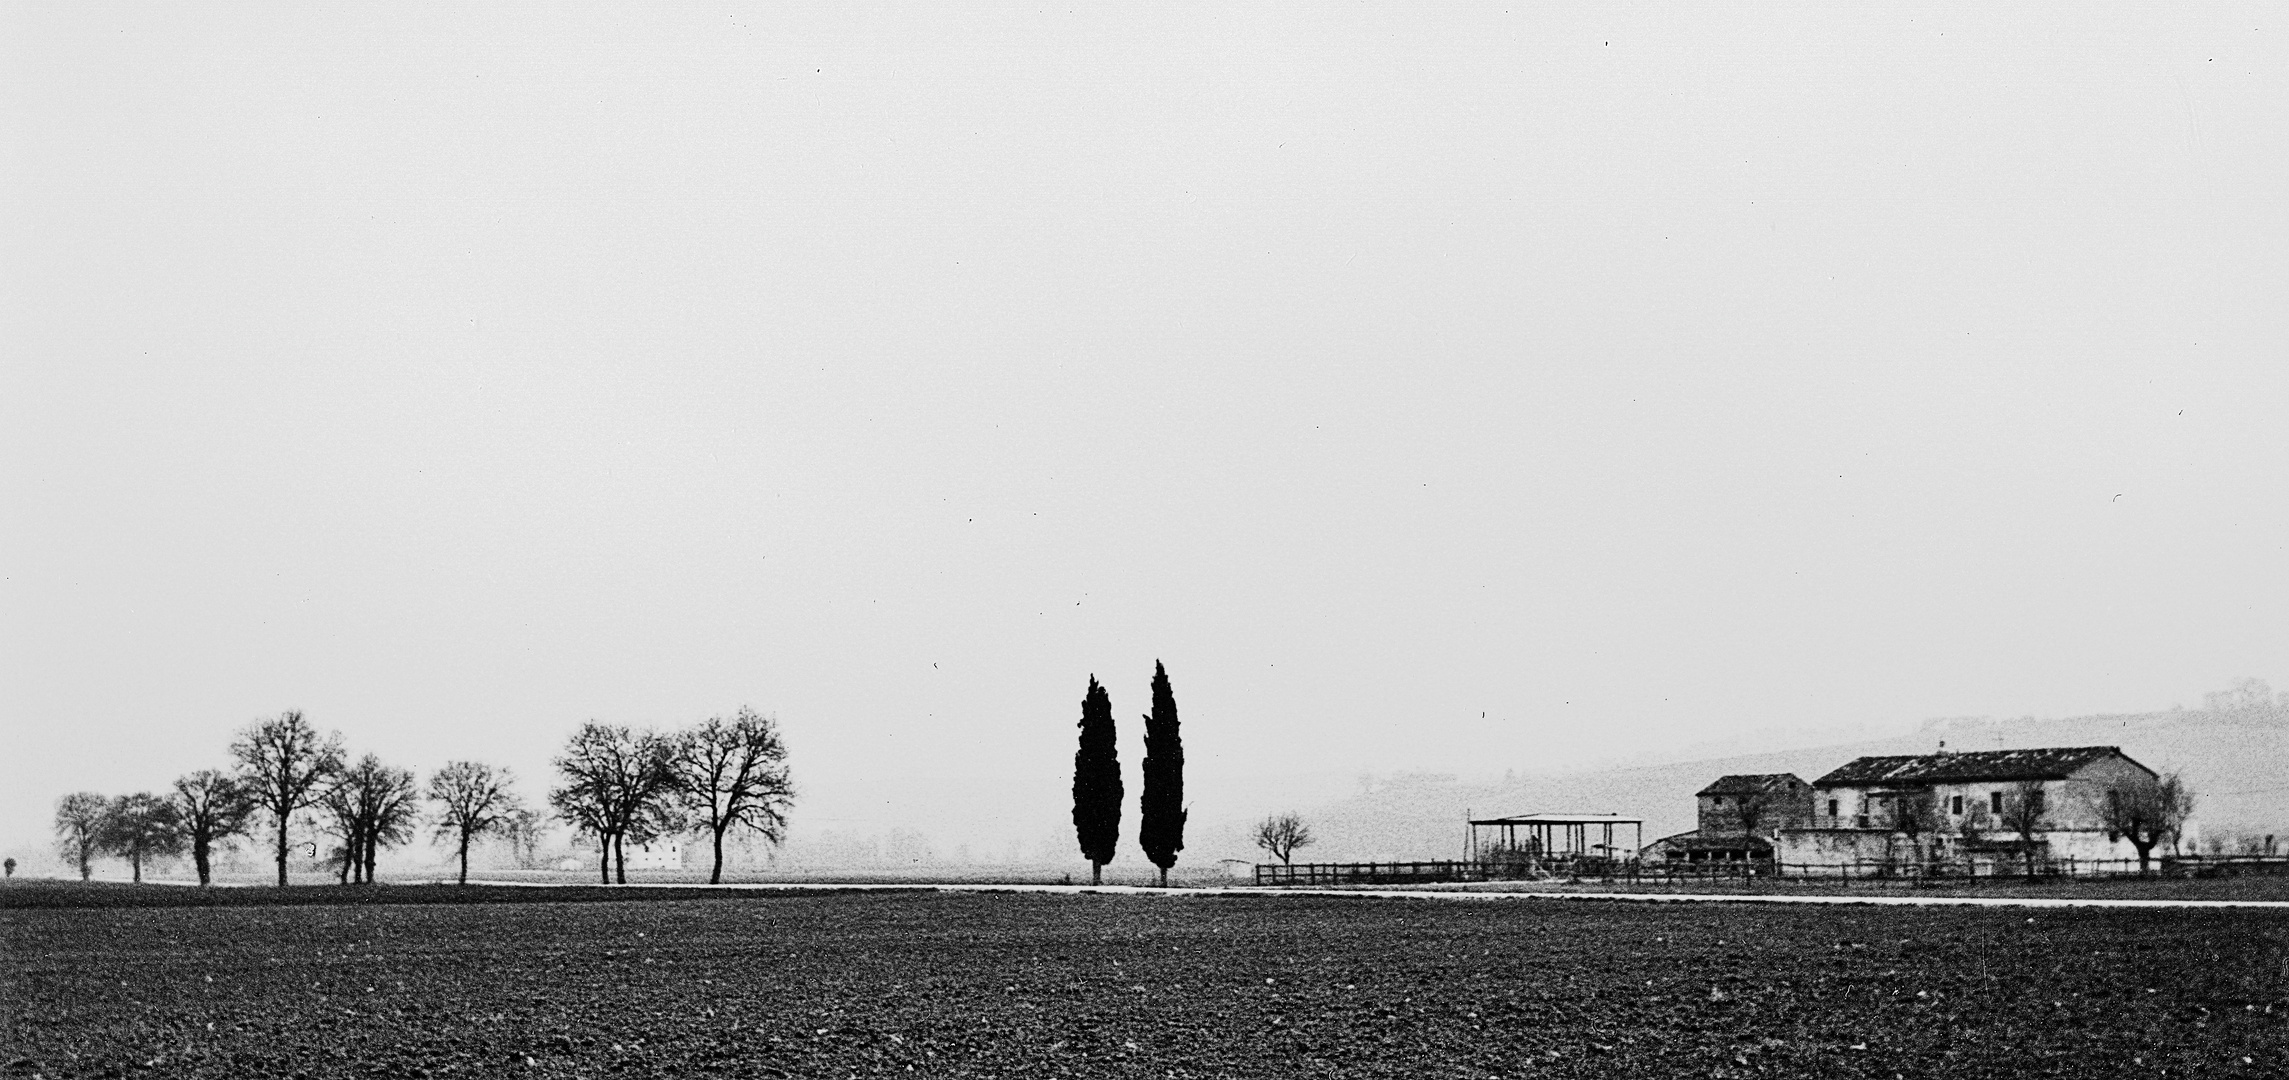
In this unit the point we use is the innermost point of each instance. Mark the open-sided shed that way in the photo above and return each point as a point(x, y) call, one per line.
point(1554, 838)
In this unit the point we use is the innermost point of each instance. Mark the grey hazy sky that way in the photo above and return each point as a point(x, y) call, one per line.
point(1632, 378)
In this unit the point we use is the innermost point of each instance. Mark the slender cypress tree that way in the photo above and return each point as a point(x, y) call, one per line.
point(1161, 832)
point(1097, 783)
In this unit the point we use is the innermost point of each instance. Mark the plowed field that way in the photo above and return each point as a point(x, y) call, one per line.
point(1149, 986)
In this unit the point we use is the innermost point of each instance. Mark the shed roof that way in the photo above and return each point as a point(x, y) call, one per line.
point(1752, 783)
point(1560, 819)
point(2044, 763)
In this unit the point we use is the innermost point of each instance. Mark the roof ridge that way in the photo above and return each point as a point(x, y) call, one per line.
point(2028, 762)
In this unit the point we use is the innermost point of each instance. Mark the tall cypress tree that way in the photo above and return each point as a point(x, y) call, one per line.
point(1097, 783)
point(1161, 833)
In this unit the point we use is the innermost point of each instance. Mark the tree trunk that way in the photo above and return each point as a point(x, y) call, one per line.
point(199, 858)
point(2143, 854)
point(282, 851)
point(464, 856)
point(84, 869)
point(1096, 873)
point(620, 858)
point(604, 859)
point(135, 863)
point(715, 877)
point(1164, 877)
point(373, 854)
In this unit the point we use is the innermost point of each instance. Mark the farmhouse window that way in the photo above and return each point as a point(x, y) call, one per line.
point(1831, 808)
point(1716, 800)
point(1955, 806)
point(1994, 802)
point(2035, 802)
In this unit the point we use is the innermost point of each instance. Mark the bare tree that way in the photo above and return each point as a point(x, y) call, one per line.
point(649, 812)
point(1282, 834)
point(1753, 806)
point(79, 828)
point(523, 830)
point(1976, 823)
point(2146, 813)
point(213, 807)
point(2024, 814)
point(473, 799)
point(340, 816)
point(138, 827)
point(286, 765)
point(733, 774)
point(369, 805)
point(1916, 815)
point(392, 808)
point(616, 781)
point(584, 801)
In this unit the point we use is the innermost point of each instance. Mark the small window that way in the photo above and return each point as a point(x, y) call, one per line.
point(1955, 806)
point(2035, 801)
point(1831, 808)
point(1994, 802)
point(1716, 800)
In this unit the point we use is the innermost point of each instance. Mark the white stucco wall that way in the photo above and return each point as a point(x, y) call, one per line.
point(663, 855)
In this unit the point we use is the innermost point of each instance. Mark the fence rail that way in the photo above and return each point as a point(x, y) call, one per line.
point(2006, 868)
point(1367, 873)
point(1871, 873)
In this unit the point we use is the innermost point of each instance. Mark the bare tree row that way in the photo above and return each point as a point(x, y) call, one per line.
point(620, 785)
point(284, 767)
point(623, 785)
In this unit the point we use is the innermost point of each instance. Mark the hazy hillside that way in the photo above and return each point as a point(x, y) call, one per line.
point(2234, 754)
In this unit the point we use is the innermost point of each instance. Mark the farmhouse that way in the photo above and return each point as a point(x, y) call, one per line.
point(667, 854)
point(1739, 814)
point(1984, 806)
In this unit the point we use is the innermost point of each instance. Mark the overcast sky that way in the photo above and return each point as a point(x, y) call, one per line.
point(1457, 388)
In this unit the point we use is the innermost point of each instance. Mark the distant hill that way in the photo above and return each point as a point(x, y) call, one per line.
point(2235, 756)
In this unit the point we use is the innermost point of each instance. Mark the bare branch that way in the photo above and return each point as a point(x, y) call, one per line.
point(1282, 835)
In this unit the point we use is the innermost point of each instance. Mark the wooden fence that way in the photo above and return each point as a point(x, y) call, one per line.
point(1367, 873)
point(1869, 873)
point(1906, 872)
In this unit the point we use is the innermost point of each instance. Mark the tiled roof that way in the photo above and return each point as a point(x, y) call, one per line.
point(1749, 783)
point(2046, 763)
